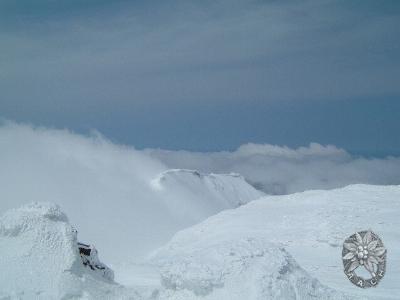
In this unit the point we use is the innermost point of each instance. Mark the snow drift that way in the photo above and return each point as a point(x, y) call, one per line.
point(217, 267)
point(40, 259)
point(246, 250)
point(277, 247)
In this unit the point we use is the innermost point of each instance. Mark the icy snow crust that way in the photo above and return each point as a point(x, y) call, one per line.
point(40, 259)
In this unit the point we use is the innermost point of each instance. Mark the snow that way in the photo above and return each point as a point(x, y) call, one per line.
point(194, 195)
point(107, 190)
point(40, 259)
point(282, 170)
point(276, 247)
point(311, 226)
point(185, 197)
point(235, 268)
point(178, 233)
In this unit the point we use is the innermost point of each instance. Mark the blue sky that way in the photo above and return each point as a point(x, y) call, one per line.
point(206, 75)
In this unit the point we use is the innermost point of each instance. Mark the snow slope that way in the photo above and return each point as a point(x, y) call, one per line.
point(185, 197)
point(240, 251)
point(277, 247)
point(40, 258)
point(227, 267)
point(196, 195)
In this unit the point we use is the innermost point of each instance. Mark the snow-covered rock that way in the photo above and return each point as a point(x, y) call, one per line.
point(39, 258)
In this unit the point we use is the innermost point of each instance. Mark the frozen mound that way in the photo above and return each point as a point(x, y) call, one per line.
point(219, 267)
point(40, 258)
point(191, 193)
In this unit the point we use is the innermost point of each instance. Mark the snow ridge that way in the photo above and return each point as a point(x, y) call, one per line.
point(200, 195)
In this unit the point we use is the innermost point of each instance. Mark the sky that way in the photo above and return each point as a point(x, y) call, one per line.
point(206, 75)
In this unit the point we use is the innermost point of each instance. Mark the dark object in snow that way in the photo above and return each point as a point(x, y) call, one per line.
point(90, 259)
point(84, 249)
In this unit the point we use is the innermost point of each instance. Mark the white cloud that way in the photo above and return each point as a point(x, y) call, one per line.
point(282, 170)
point(107, 190)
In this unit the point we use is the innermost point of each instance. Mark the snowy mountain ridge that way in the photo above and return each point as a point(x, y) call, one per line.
point(199, 192)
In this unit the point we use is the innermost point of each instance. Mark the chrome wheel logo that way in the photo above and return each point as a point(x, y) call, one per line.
point(364, 249)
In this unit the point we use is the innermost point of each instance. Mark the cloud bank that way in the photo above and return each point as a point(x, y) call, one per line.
point(34, 157)
point(282, 170)
point(108, 189)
